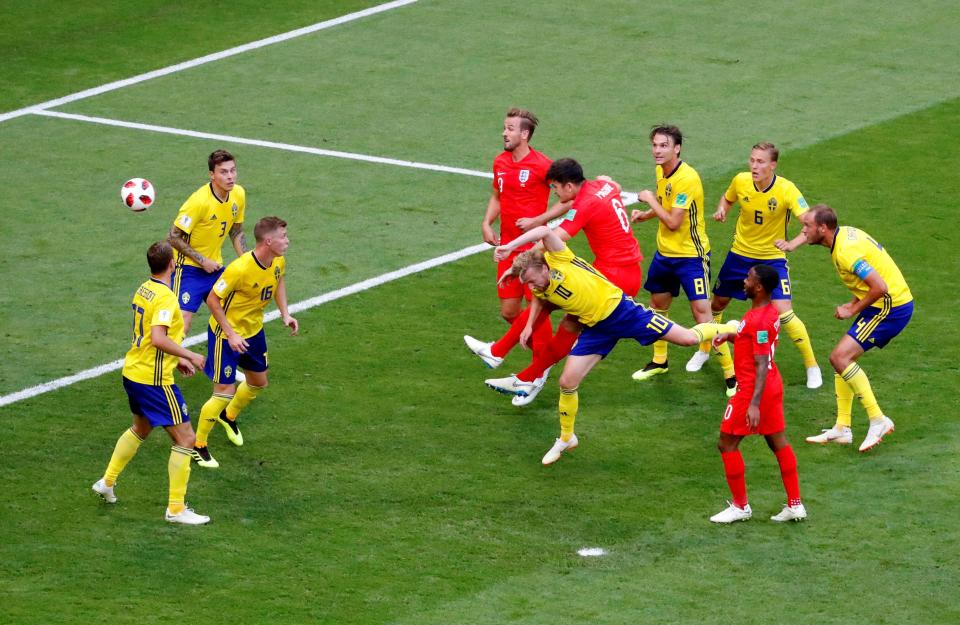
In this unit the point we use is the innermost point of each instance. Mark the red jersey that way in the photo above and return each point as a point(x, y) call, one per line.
point(523, 190)
point(757, 336)
point(598, 211)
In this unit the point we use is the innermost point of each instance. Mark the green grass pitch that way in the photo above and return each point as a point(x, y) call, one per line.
point(381, 482)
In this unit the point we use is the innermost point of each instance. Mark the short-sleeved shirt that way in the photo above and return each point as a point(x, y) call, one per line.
point(856, 255)
point(682, 190)
point(154, 304)
point(764, 214)
point(598, 211)
point(523, 190)
point(758, 335)
point(578, 288)
point(207, 221)
point(245, 289)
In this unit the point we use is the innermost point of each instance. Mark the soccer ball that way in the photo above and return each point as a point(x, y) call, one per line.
point(137, 194)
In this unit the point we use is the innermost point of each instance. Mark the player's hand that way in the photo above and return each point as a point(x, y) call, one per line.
point(197, 360)
point(638, 215)
point(525, 223)
point(646, 196)
point(237, 343)
point(186, 367)
point(753, 416)
point(783, 246)
point(722, 338)
point(611, 181)
point(525, 337)
point(210, 266)
point(501, 253)
point(489, 236)
point(720, 215)
point(844, 311)
point(291, 323)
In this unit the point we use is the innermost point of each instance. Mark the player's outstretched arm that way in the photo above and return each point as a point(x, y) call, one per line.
point(551, 242)
point(557, 210)
point(177, 239)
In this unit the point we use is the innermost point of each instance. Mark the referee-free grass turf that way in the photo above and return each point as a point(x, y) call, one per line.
point(381, 482)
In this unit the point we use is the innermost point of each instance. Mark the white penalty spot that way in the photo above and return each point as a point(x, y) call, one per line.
point(591, 552)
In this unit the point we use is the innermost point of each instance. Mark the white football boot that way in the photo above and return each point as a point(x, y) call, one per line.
point(510, 385)
point(538, 384)
point(482, 350)
point(732, 514)
point(879, 427)
point(843, 436)
point(100, 487)
point(790, 513)
point(187, 517)
point(814, 379)
point(558, 448)
point(697, 361)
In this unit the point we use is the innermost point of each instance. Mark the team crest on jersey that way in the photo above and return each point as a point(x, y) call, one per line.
point(276, 274)
point(185, 298)
point(772, 203)
point(228, 371)
point(234, 209)
point(556, 276)
point(669, 190)
point(524, 176)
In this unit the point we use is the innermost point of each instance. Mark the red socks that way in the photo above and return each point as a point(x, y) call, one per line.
point(788, 472)
point(734, 468)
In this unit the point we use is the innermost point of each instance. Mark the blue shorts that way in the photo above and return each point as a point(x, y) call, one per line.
point(192, 285)
point(875, 327)
point(667, 274)
point(162, 406)
point(629, 320)
point(735, 269)
point(222, 361)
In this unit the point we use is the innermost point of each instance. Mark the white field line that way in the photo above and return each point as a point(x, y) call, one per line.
point(216, 56)
point(87, 374)
point(265, 144)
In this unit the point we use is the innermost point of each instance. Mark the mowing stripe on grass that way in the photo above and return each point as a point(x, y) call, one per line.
point(216, 56)
point(313, 302)
point(266, 144)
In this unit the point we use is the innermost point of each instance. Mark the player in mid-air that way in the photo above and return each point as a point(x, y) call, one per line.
point(766, 203)
point(569, 283)
point(597, 209)
point(757, 407)
point(882, 304)
point(520, 192)
point(682, 259)
point(235, 336)
point(213, 212)
point(154, 398)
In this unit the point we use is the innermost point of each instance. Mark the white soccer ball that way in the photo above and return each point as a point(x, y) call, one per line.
point(137, 194)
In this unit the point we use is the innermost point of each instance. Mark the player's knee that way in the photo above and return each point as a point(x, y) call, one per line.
point(839, 360)
point(568, 382)
point(187, 438)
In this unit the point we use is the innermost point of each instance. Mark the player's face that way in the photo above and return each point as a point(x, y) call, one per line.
point(751, 283)
point(812, 232)
point(536, 277)
point(761, 166)
point(665, 151)
point(224, 175)
point(513, 136)
point(565, 192)
point(278, 242)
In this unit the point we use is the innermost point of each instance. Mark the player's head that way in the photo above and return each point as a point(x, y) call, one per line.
point(565, 177)
point(819, 223)
point(518, 128)
point(223, 170)
point(763, 161)
point(160, 257)
point(761, 281)
point(532, 269)
point(271, 233)
point(666, 141)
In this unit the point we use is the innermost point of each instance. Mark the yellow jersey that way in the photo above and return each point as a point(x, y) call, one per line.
point(245, 289)
point(207, 221)
point(681, 189)
point(578, 288)
point(764, 214)
point(856, 255)
point(154, 304)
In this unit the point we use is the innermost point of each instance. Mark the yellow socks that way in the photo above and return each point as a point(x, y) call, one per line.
point(126, 448)
point(723, 352)
point(660, 347)
point(798, 334)
point(178, 467)
point(854, 376)
point(844, 401)
point(208, 416)
point(246, 393)
point(569, 404)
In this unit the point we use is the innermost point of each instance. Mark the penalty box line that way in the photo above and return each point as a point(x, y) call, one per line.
point(209, 58)
point(313, 302)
